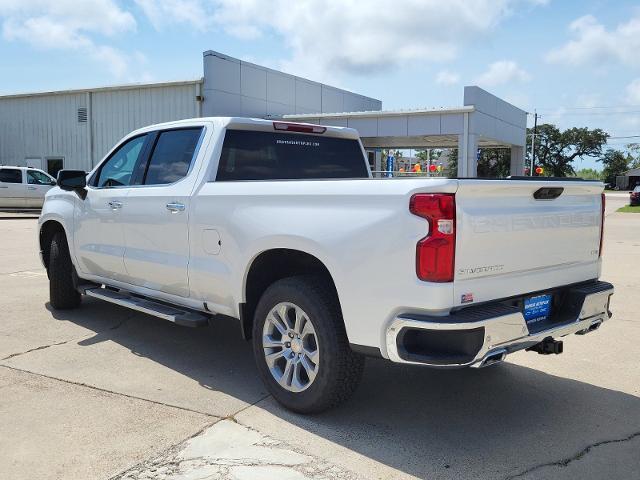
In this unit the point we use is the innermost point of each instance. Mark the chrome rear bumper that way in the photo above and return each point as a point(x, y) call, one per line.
point(478, 336)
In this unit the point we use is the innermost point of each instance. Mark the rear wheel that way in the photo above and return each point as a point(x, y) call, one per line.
point(62, 291)
point(301, 346)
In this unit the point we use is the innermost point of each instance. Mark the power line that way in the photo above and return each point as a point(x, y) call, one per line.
point(590, 107)
point(589, 114)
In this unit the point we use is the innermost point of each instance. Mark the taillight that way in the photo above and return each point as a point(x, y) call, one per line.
point(435, 253)
point(602, 205)
point(299, 127)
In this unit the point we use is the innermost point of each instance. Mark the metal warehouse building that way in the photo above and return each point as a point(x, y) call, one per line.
point(76, 128)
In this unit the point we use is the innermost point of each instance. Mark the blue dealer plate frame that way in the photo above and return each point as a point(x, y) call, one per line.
point(537, 309)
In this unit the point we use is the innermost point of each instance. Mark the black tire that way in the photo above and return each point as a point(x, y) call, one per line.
point(339, 370)
point(62, 292)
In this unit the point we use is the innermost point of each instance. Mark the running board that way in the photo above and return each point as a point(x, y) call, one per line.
point(185, 317)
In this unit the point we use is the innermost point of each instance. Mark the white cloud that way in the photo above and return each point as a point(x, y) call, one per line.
point(633, 92)
point(447, 78)
point(165, 12)
point(323, 39)
point(594, 44)
point(589, 100)
point(335, 36)
point(44, 32)
point(70, 25)
point(502, 72)
point(102, 16)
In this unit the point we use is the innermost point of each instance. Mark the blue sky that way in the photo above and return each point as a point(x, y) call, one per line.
point(576, 62)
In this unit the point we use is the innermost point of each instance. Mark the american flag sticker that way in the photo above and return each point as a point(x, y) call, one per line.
point(466, 298)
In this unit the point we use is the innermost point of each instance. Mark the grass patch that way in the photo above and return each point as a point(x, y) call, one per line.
point(630, 209)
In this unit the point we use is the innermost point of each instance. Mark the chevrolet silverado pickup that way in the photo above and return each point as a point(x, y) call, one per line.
point(281, 227)
point(23, 187)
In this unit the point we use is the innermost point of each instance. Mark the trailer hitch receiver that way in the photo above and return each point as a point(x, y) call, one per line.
point(548, 346)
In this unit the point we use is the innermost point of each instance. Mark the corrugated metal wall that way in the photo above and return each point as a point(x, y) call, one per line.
point(40, 127)
point(45, 126)
point(235, 87)
point(117, 112)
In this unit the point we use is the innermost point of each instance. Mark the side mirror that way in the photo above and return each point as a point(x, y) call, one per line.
point(72, 179)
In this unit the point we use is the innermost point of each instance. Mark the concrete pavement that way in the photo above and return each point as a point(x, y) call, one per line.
point(101, 391)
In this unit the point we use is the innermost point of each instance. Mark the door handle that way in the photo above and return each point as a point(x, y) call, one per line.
point(114, 205)
point(175, 207)
point(31, 188)
point(4, 186)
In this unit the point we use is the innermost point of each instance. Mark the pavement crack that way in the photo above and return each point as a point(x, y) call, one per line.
point(566, 461)
point(104, 390)
point(41, 347)
point(233, 418)
point(165, 456)
point(23, 271)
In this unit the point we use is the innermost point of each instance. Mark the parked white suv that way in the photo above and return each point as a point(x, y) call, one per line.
point(280, 226)
point(23, 187)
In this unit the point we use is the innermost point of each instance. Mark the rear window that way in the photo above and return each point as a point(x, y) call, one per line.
point(251, 155)
point(10, 175)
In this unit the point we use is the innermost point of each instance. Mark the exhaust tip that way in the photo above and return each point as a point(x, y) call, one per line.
point(493, 358)
point(591, 328)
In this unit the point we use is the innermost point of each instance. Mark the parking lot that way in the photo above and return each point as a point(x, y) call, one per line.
point(102, 392)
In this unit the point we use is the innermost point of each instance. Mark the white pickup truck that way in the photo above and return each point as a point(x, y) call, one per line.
point(280, 226)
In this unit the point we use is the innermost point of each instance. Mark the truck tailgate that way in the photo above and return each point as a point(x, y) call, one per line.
point(508, 242)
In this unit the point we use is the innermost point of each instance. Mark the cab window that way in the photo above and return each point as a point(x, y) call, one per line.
point(10, 175)
point(118, 170)
point(172, 156)
point(38, 178)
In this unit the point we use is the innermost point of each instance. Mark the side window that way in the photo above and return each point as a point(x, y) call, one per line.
point(10, 175)
point(172, 156)
point(37, 178)
point(118, 170)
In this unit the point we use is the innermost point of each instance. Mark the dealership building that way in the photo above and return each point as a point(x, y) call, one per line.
point(76, 128)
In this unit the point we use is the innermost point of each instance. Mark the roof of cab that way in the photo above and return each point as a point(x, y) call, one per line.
point(245, 123)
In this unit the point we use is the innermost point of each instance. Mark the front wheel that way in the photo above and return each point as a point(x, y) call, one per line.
point(62, 291)
point(301, 346)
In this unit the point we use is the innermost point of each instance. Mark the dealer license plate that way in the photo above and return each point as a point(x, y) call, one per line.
point(537, 309)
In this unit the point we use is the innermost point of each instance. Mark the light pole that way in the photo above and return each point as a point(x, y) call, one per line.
point(533, 142)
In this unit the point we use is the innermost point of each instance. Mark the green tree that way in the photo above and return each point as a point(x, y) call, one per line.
point(634, 151)
point(434, 154)
point(493, 162)
point(452, 164)
point(615, 163)
point(589, 174)
point(556, 150)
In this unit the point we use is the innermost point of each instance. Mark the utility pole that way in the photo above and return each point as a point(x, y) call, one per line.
point(533, 142)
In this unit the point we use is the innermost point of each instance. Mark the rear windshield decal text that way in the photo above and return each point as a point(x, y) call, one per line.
point(302, 143)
